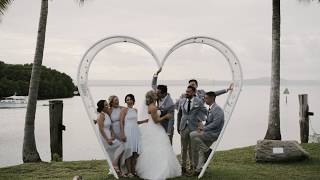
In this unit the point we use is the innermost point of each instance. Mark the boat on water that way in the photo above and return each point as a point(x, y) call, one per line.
point(76, 93)
point(14, 102)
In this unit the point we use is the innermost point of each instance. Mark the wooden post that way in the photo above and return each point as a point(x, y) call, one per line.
point(286, 100)
point(304, 117)
point(56, 127)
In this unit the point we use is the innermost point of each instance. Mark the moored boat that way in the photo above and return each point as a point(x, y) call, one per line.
point(14, 102)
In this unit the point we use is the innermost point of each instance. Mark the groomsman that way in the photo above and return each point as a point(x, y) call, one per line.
point(201, 93)
point(192, 112)
point(204, 136)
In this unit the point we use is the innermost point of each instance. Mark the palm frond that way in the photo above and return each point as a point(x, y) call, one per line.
point(81, 2)
point(4, 5)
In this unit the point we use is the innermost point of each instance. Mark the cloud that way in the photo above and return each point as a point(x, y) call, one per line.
point(244, 25)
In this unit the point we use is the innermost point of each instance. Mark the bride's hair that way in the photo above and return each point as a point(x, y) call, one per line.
point(151, 97)
point(111, 98)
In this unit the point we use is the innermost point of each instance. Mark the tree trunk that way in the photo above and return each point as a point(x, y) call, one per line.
point(29, 151)
point(273, 131)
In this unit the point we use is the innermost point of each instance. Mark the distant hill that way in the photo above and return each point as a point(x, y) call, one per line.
point(14, 78)
point(247, 82)
point(284, 82)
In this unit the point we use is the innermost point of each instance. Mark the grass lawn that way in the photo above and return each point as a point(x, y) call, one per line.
point(232, 164)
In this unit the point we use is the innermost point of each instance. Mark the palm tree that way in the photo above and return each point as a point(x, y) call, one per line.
point(273, 131)
point(29, 150)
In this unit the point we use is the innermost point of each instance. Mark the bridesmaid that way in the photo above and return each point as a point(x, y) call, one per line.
point(130, 134)
point(114, 147)
point(114, 112)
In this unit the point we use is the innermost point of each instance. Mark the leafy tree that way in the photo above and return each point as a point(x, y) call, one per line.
point(19, 77)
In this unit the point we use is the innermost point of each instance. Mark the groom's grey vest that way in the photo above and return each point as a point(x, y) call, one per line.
point(166, 107)
point(196, 114)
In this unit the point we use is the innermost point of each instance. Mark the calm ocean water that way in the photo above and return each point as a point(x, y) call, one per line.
point(247, 125)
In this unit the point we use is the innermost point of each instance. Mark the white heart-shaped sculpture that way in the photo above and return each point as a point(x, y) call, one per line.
point(97, 47)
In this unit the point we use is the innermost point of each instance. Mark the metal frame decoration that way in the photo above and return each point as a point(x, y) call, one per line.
point(230, 56)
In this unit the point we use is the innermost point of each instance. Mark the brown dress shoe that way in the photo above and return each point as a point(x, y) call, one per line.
point(193, 173)
point(183, 170)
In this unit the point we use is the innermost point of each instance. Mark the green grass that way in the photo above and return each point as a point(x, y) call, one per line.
point(232, 164)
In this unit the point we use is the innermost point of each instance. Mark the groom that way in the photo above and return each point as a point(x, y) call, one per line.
point(165, 105)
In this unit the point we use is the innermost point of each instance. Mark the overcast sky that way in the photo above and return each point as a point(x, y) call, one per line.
point(244, 25)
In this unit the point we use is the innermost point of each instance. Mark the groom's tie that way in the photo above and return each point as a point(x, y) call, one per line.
point(189, 104)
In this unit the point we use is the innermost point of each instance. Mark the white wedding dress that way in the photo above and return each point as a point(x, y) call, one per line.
point(157, 159)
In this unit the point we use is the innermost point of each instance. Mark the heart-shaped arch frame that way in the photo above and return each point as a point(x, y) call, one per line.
point(82, 80)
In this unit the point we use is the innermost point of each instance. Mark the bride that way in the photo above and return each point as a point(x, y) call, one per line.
point(157, 159)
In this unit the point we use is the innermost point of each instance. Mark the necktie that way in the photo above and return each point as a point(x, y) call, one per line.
point(189, 104)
